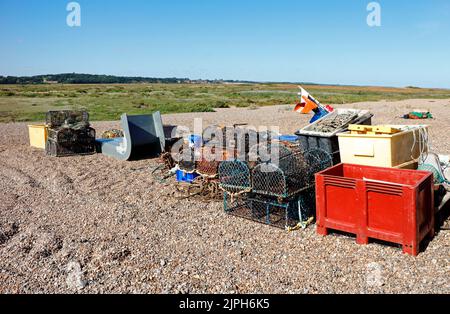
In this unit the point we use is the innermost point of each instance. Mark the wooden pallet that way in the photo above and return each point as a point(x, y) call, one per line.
point(372, 129)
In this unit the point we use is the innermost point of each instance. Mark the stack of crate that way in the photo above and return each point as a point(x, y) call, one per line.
point(69, 133)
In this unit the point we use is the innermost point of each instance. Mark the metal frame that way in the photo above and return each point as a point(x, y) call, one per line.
point(235, 176)
point(287, 214)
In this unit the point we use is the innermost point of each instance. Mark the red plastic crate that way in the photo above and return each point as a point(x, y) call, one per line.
point(387, 204)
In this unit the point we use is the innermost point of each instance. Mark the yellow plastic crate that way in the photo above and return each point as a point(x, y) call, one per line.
point(399, 150)
point(38, 135)
point(372, 129)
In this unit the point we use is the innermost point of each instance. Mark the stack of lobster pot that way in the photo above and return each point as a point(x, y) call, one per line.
point(221, 143)
point(69, 133)
point(198, 163)
point(274, 185)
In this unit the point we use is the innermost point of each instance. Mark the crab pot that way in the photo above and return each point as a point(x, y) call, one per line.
point(64, 142)
point(211, 157)
point(207, 168)
point(269, 211)
point(293, 173)
point(234, 176)
point(244, 140)
point(267, 151)
point(238, 138)
point(71, 135)
point(284, 179)
point(318, 160)
point(56, 149)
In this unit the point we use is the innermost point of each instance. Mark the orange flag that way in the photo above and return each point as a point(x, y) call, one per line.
point(306, 105)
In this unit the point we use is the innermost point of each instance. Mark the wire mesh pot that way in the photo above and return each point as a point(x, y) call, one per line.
point(55, 149)
point(223, 136)
point(268, 151)
point(284, 179)
point(56, 119)
point(71, 135)
point(211, 157)
point(318, 160)
point(239, 138)
point(267, 136)
point(296, 212)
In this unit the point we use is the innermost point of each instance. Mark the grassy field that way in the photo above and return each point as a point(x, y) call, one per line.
point(108, 102)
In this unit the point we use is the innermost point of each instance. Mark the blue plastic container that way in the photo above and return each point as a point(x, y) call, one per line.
point(289, 138)
point(320, 113)
point(183, 176)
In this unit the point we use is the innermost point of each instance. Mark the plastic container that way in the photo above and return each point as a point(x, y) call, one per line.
point(38, 135)
point(330, 144)
point(363, 117)
point(183, 176)
point(329, 141)
point(380, 203)
point(289, 138)
point(400, 150)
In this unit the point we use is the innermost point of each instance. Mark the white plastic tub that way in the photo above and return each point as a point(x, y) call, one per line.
point(400, 150)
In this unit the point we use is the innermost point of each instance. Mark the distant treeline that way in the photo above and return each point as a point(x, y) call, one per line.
point(74, 78)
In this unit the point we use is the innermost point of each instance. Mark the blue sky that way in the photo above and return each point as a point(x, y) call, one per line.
point(323, 41)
